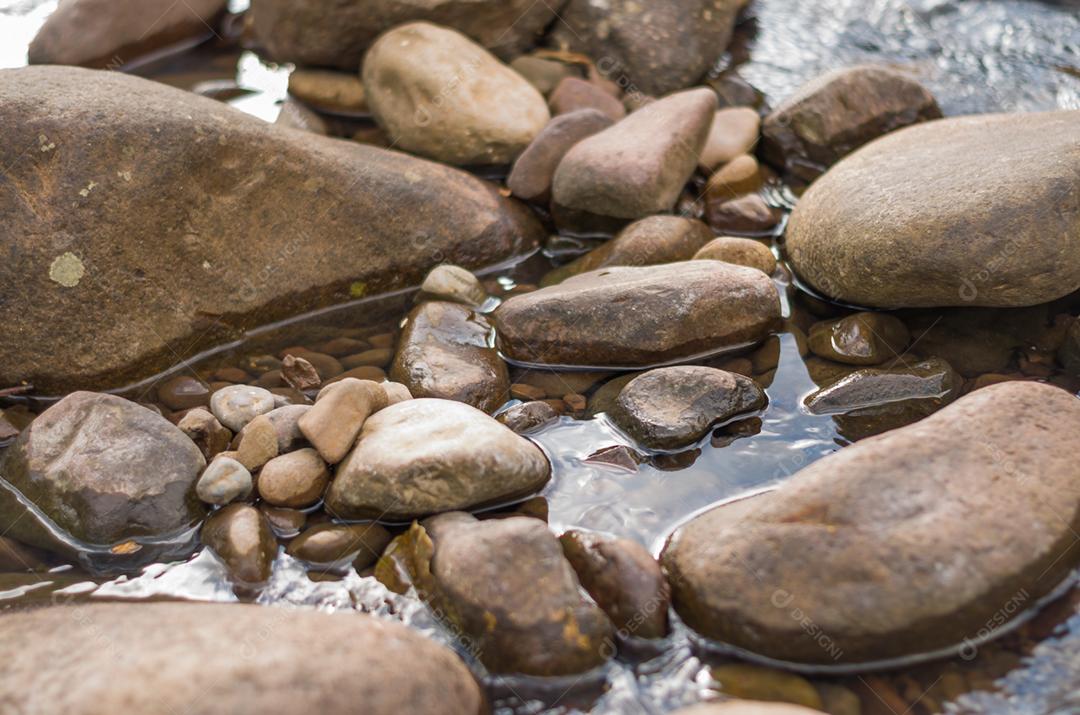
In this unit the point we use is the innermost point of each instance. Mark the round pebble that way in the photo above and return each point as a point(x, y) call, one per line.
point(183, 392)
point(296, 479)
point(236, 405)
point(224, 481)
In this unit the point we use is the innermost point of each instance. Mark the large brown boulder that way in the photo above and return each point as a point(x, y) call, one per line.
point(638, 316)
point(905, 543)
point(180, 222)
point(888, 227)
point(200, 659)
point(336, 33)
point(102, 470)
point(111, 33)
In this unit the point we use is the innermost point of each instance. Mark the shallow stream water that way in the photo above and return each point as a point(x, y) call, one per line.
point(999, 55)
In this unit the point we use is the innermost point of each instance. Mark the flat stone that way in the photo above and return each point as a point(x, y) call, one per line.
point(640, 165)
point(624, 580)
point(740, 251)
point(236, 405)
point(168, 657)
point(505, 585)
point(241, 536)
point(183, 392)
point(461, 105)
point(915, 531)
point(130, 305)
point(331, 426)
point(328, 33)
point(639, 316)
point(426, 456)
point(104, 470)
point(656, 48)
point(334, 543)
point(734, 131)
point(108, 34)
point(1008, 192)
point(444, 352)
point(224, 480)
point(836, 113)
point(860, 339)
point(534, 169)
point(672, 407)
point(649, 241)
point(296, 479)
point(328, 90)
point(574, 94)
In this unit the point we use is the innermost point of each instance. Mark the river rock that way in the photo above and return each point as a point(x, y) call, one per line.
point(915, 531)
point(440, 95)
point(740, 176)
point(340, 410)
point(183, 392)
point(454, 284)
point(328, 90)
point(672, 407)
point(286, 422)
point(333, 543)
point(505, 585)
point(169, 658)
point(133, 307)
point(241, 536)
point(528, 416)
point(860, 339)
point(734, 132)
point(295, 114)
point(237, 405)
point(657, 47)
point(1068, 355)
point(444, 353)
point(331, 33)
point(754, 682)
point(574, 94)
point(425, 456)
point(1008, 192)
point(624, 580)
point(838, 112)
point(746, 707)
point(533, 171)
point(109, 34)
point(224, 480)
point(300, 374)
point(638, 316)
point(104, 470)
point(740, 251)
point(296, 479)
point(639, 165)
point(257, 443)
point(206, 432)
point(873, 400)
point(649, 241)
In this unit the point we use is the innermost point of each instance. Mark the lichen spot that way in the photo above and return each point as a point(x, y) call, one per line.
point(67, 270)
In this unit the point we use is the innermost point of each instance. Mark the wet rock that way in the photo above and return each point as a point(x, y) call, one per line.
point(168, 657)
point(746, 214)
point(296, 479)
point(752, 682)
point(426, 456)
point(672, 407)
point(131, 305)
point(326, 366)
point(257, 443)
point(109, 34)
point(533, 171)
point(376, 357)
point(331, 426)
point(1011, 205)
point(873, 400)
point(738, 177)
point(915, 528)
point(734, 132)
point(241, 536)
point(624, 580)
point(740, 251)
point(640, 165)
point(658, 48)
point(19, 558)
point(454, 284)
point(329, 33)
point(299, 374)
point(444, 352)
point(745, 707)
point(286, 422)
point(649, 241)
point(508, 589)
point(286, 523)
point(206, 432)
point(237, 405)
point(860, 339)
point(838, 112)
point(528, 416)
point(103, 469)
point(555, 384)
point(334, 543)
point(460, 104)
point(329, 91)
point(183, 392)
point(225, 480)
point(629, 316)
point(574, 94)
